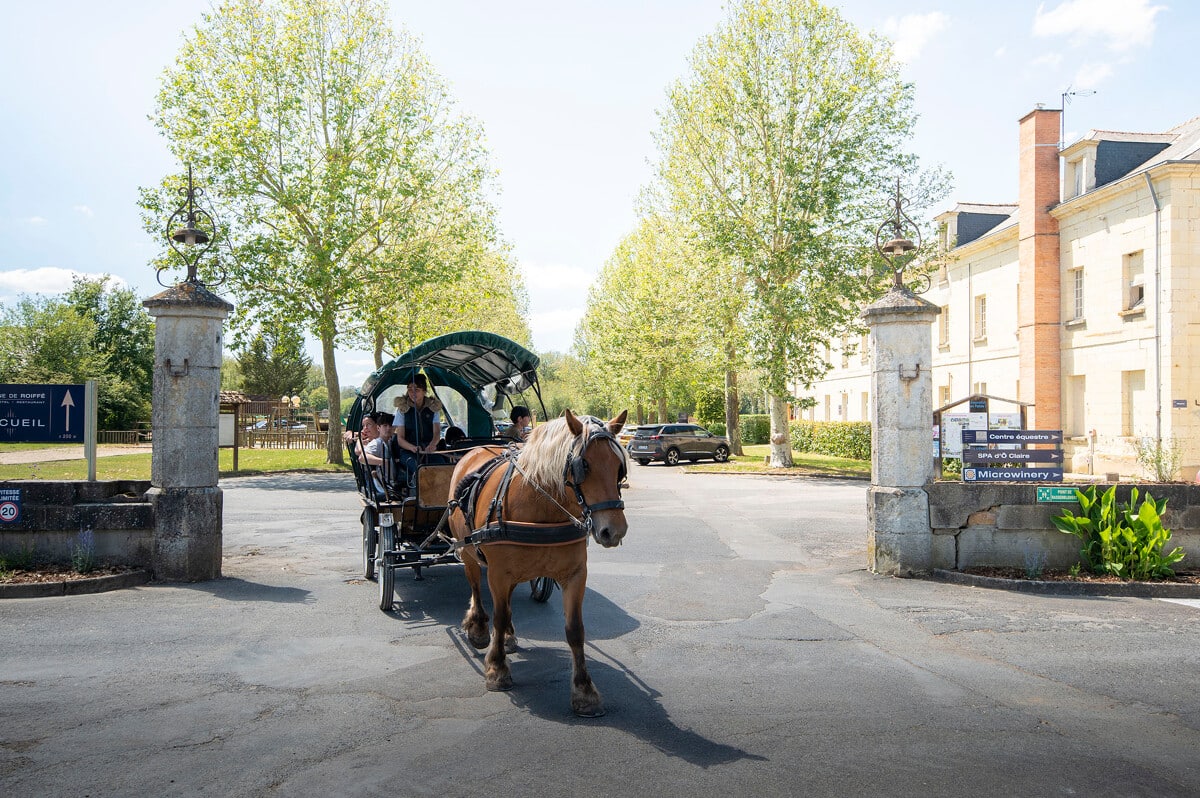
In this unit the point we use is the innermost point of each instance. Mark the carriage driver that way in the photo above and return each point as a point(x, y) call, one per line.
point(418, 425)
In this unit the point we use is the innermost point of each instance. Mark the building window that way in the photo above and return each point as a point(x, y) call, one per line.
point(827, 416)
point(864, 349)
point(943, 395)
point(980, 388)
point(1134, 404)
point(981, 318)
point(866, 406)
point(1076, 426)
point(1077, 285)
point(845, 351)
point(944, 328)
point(1135, 282)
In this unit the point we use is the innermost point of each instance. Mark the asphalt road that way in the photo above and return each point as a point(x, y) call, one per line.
point(740, 645)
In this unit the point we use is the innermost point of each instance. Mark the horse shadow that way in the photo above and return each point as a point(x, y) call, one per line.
point(441, 597)
point(543, 683)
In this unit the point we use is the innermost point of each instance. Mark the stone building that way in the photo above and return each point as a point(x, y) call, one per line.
point(1082, 298)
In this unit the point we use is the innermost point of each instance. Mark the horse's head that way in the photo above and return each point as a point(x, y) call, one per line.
point(595, 469)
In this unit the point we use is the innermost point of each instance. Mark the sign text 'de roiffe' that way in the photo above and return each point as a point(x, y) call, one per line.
point(41, 413)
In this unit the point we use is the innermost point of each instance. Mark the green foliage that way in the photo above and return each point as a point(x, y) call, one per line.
point(850, 439)
point(710, 407)
point(756, 429)
point(275, 362)
point(91, 332)
point(1117, 539)
point(83, 552)
point(717, 428)
point(1160, 459)
point(951, 467)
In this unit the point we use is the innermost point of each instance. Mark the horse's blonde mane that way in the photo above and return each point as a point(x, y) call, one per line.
point(544, 456)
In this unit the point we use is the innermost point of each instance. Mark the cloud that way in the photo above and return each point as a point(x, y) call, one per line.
point(1000, 52)
point(36, 221)
point(1122, 24)
point(46, 280)
point(1089, 76)
point(83, 210)
point(557, 300)
point(910, 33)
point(1051, 60)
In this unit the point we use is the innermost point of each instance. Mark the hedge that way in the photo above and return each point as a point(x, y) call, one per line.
point(850, 439)
point(756, 429)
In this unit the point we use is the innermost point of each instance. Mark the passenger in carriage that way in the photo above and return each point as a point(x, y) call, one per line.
point(378, 451)
point(368, 433)
point(521, 418)
point(418, 426)
point(453, 435)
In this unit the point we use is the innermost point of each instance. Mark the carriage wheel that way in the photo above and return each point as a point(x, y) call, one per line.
point(370, 539)
point(672, 456)
point(721, 454)
point(387, 573)
point(541, 588)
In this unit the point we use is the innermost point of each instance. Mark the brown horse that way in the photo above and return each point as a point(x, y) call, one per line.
point(562, 486)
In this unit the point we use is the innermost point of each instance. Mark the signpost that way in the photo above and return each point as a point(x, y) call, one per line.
point(50, 414)
point(983, 461)
point(41, 413)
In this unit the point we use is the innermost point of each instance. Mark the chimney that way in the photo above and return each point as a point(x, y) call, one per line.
point(1039, 322)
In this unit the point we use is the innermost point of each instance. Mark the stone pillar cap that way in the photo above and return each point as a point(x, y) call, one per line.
point(900, 301)
point(186, 295)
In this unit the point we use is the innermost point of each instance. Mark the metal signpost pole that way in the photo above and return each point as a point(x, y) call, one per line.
point(89, 427)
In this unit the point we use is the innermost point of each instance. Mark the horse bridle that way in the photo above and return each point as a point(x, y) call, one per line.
point(576, 469)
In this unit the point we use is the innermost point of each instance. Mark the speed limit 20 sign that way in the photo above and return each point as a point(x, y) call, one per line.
point(10, 506)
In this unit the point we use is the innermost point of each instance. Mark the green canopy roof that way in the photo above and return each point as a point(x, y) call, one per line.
point(477, 358)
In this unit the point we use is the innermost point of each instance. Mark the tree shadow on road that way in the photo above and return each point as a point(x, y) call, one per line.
point(234, 589)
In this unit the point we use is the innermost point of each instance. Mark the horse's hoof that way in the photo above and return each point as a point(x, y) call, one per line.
point(596, 711)
point(479, 641)
point(510, 644)
point(499, 684)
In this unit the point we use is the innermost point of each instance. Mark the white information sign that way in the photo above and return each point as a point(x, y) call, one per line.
point(952, 426)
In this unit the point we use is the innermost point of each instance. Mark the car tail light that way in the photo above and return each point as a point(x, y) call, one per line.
point(656, 437)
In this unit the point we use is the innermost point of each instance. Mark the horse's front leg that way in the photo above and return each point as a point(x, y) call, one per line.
point(496, 674)
point(475, 622)
point(585, 698)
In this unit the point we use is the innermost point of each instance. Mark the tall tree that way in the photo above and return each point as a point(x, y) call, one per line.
point(332, 152)
point(779, 146)
point(275, 362)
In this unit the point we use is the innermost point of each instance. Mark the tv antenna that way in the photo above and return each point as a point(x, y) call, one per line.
point(1062, 117)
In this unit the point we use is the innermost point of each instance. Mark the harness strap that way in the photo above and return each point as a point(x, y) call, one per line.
point(528, 534)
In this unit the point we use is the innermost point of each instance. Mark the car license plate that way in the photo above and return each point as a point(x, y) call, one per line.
point(385, 519)
point(642, 447)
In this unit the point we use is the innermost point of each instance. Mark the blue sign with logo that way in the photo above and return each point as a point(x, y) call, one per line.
point(41, 413)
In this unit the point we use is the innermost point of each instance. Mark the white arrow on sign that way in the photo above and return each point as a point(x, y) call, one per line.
point(68, 403)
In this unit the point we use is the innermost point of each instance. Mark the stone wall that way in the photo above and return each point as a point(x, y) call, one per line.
point(53, 514)
point(1004, 524)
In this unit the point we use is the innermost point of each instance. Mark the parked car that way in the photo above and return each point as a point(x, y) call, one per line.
point(674, 442)
point(279, 424)
point(625, 436)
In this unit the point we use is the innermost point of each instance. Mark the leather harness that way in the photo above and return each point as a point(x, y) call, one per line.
point(496, 528)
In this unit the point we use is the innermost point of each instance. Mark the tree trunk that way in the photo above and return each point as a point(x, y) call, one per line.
point(662, 410)
point(733, 404)
point(378, 349)
point(334, 448)
point(781, 438)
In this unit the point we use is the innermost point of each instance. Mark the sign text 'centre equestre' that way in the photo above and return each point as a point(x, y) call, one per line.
point(41, 413)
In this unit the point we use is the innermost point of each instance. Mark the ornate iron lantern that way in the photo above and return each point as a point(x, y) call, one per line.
point(191, 231)
point(892, 241)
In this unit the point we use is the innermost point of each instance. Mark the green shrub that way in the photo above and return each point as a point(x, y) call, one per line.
point(1118, 541)
point(756, 429)
point(716, 428)
point(850, 439)
point(710, 406)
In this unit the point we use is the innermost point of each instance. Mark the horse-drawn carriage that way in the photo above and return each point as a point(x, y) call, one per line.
point(524, 512)
point(468, 373)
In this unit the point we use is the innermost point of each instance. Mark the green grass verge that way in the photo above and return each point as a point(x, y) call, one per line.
point(137, 466)
point(753, 462)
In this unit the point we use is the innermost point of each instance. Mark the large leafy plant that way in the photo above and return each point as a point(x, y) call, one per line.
point(1119, 539)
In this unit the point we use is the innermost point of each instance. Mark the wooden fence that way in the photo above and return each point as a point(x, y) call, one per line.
point(284, 439)
point(126, 437)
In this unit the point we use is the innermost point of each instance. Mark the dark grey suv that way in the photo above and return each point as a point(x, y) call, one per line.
point(674, 442)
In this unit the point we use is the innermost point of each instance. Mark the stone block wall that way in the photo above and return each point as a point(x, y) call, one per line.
point(53, 513)
point(1004, 524)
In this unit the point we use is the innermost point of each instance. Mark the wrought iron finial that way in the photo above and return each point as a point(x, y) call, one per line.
point(193, 234)
point(893, 243)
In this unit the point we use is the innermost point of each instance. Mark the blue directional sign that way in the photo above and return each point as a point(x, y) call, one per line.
point(41, 413)
point(1012, 436)
point(980, 474)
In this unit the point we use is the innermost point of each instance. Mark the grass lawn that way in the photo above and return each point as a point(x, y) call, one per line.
point(137, 466)
point(752, 462)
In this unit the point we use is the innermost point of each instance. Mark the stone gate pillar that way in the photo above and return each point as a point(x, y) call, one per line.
point(900, 542)
point(189, 325)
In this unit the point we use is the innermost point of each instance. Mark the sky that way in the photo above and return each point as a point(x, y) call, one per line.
point(567, 94)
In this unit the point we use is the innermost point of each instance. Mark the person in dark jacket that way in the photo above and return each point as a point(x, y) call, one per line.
point(418, 426)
